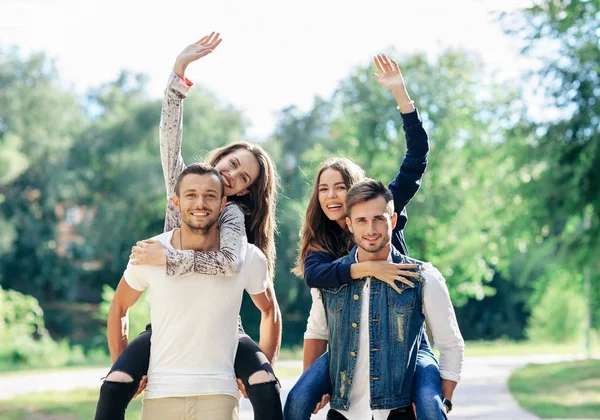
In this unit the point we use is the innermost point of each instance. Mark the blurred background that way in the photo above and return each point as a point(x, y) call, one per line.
point(509, 208)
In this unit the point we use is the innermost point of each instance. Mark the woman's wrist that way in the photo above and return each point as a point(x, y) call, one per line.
point(164, 254)
point(361, 269)
point(179, 69)
point(405, 104)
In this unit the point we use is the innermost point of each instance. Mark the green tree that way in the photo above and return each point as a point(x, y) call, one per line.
point(560, 314)
point(564, 153)
point(297, 146)
point(456, 220)
point(453, 219)
point(39, 121)
point(90, 181)
point(116, 169)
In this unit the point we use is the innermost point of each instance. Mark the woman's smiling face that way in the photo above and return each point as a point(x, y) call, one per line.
point(332, 195)
point(239, 170)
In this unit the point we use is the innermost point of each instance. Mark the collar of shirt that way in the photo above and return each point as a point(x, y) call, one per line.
point(389, 258)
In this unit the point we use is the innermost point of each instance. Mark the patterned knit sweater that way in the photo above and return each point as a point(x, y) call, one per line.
point(228, 259)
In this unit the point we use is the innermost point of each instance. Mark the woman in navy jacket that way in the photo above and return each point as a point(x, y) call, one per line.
point(325, 239)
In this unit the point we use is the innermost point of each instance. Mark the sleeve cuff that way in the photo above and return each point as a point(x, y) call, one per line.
point(180, 262)
point(179, 85)
point(313, 336)
point(450, 376)
point(343, 273)
point(259, 290)
point(410, 119)
point(131, 282)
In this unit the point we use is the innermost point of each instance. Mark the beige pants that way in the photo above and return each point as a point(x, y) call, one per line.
point(202, 407)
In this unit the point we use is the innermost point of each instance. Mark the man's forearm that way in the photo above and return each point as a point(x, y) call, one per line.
point(313, 349)
point(117, 330)
point(448, 388)
point(270, 333)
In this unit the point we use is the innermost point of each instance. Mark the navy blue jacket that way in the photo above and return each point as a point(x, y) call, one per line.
point(320, 270)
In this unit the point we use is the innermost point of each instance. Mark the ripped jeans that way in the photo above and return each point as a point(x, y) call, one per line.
point(134, 361)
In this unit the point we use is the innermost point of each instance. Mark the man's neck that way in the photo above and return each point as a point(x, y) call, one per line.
point(381, 255)
point(197, 240)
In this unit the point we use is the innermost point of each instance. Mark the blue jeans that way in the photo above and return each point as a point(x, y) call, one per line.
point(427, 387)
point(314, 383)
point(308, 390)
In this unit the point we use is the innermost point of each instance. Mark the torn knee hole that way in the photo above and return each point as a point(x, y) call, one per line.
point(261, 377)
point(118, 377)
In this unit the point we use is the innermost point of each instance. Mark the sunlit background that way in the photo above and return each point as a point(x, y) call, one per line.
point(508, 210)
point(274, 53)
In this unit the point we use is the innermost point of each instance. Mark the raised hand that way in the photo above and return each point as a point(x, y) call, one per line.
point(195, 51)
point(391, 78)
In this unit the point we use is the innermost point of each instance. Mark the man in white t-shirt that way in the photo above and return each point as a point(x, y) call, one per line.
point(194, 317)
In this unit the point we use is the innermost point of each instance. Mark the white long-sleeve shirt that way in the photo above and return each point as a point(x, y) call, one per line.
point(440, 317)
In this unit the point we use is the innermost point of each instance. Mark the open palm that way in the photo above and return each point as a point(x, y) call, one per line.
point(389, 75)
point(197, 50)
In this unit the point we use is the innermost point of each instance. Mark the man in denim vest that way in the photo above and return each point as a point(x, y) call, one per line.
point(374, 331)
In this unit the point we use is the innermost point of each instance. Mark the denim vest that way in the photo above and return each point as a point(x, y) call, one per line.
point(396, 326)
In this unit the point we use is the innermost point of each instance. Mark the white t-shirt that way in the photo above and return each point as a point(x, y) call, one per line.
point(195, 325)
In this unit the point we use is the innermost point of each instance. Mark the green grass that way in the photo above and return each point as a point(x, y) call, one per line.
point(567, 390)
point(291, 353)
point(12, 369)
point(559, 390)
point(287, 372)
point(491, 348)
point(476, 348)
point(76, 405)
point(523, 348)
point(472, 349)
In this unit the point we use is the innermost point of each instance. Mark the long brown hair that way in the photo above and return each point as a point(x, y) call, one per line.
point(318, 233)
point(260, 202)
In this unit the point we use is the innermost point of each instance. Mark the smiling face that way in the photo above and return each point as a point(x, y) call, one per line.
point(371, 223)
point(332, 195)
point(199, 201)
point(239, 170)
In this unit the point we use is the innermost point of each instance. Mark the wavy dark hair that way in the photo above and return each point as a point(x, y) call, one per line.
point(318, 233)
point(260, 203)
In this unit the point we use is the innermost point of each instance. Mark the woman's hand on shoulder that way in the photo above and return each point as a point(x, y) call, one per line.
point(148, 252)
point(196, 51)
point(389, 272)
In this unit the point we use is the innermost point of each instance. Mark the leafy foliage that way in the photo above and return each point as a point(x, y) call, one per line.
point(23, 338)
point(80, 178)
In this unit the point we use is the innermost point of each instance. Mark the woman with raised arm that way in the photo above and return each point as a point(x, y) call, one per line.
point(251, 188)
point(324, 238)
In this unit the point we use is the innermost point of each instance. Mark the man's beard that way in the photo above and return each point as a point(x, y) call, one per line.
point(374, 248)
point(199, 230)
